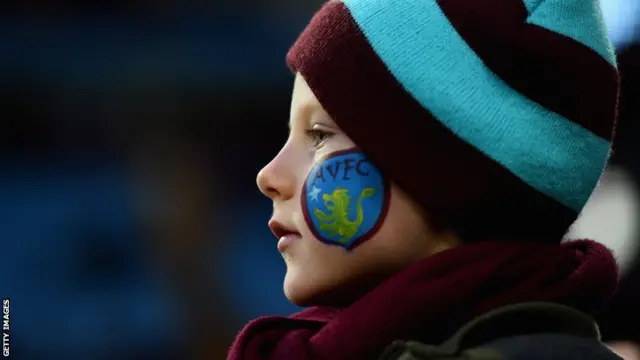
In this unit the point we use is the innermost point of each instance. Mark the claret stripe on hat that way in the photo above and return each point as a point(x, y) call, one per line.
point(468, 105)
point(554, 52)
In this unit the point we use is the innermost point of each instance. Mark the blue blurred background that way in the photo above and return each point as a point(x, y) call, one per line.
point(131, 226)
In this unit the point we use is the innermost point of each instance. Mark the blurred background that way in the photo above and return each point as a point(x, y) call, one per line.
point(132, 131)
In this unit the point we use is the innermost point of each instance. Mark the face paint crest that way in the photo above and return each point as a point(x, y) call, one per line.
point(345, 199)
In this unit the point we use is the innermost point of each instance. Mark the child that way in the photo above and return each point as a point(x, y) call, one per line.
point(438, 152)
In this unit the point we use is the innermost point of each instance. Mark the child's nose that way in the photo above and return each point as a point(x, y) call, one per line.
point(277, 181)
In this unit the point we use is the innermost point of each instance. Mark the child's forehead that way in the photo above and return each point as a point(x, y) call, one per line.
point(304, 104)
point(303, 97)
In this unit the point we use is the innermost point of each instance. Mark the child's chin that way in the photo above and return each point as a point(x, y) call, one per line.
point(322, 289)
point(297, 290)
point(304, 290)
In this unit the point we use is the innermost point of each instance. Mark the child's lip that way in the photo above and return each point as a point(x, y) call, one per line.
point(279, 230)
point(286, 240)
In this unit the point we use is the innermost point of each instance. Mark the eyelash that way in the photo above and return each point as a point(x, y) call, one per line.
point(319, 137)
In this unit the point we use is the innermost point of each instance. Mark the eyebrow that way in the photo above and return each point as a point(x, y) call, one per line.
point(305, 112)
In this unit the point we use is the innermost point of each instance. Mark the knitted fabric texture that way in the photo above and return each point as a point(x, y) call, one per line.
point(497, 117)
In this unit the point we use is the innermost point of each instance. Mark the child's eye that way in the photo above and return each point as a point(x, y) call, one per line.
point(318, 137)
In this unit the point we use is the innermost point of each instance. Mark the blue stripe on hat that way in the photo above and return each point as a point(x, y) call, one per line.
point(581, 20)
point(435, 65)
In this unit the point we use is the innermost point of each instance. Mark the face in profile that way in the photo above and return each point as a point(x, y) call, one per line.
point(340, 225)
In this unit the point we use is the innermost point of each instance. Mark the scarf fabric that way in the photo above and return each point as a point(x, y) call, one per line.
point(432, 298)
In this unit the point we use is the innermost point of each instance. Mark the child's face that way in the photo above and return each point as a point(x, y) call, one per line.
point(337, 243)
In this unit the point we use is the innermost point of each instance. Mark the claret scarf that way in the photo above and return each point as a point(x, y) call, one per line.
point(430, 299)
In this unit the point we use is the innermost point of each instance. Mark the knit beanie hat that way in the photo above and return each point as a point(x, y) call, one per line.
point(495, 116)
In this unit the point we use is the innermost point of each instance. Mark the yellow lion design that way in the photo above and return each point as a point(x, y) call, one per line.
point(337, 222)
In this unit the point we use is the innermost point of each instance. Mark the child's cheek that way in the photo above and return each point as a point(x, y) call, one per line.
point(345, 199)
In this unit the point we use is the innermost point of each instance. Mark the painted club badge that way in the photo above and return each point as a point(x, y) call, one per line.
point(345, 199)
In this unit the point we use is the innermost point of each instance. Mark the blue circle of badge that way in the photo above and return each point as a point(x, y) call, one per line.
point(345, 199)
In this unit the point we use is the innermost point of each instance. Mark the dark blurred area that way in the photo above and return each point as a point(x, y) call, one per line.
point(131, 135)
